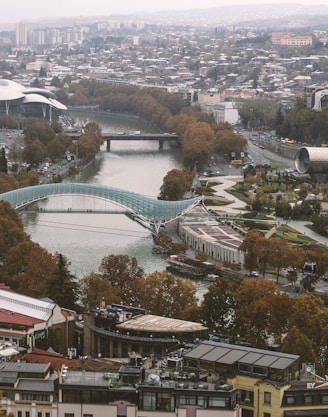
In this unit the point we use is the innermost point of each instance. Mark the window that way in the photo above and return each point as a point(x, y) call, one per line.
point(87, 415)
point(47, 415)
point(164, 402)
point(260, 370)
point(69, 415)
point(27, 414)
point(246, 397)
point(266, 415)
point(267, 397)
point(324, 399)
point(19, 414)
point(243, 367)
point(290, 400)
point(216, 402)
point(149, 401)
point(186, 400)
point(308, 399)
point(39, 414)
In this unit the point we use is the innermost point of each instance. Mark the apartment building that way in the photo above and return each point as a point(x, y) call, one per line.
point(288, 39)
point(203, 379)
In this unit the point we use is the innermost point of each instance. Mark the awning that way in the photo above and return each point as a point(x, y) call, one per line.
point(309, 413)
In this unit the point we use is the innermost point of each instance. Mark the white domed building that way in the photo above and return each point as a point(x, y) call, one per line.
point(18, 100)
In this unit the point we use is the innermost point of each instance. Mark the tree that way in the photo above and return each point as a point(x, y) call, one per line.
point(3, 161)
point(196, 153)
point(94, 289)
point(251, 246)
point(175, 184)
point(296, 342)
point(88, 144)
point(164, 295)
point(7, 183)
point(35, 153)
point(227, 142)
point(122, 272)
point(253, 312)
point(62, 286)
point(218, 307)
point(11, 229)
point(279, 255)
point(40, 129)
point(27, 268)
point(57, 147)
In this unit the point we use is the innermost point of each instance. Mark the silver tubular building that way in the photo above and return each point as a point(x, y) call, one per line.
point(313, 161)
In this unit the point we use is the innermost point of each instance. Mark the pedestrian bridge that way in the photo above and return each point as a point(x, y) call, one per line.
point(150, 212)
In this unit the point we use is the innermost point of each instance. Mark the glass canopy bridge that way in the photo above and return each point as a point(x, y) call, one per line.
point(149, 212)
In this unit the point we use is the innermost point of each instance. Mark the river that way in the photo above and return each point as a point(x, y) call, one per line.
point(85, 239)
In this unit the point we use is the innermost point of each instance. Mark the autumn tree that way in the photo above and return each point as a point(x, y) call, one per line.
point(7, 183)
point(198, 141)
point(95, 288)
point(175, 184)
point(297, 343)
point(38, 129)
point(254, 311)
point(11, 229)
point(122, 272)
point(251, 247)
point(227, 141)
point(27, 179)
point(27, 267)
point(309, 316)
point(279, 255)
point(88, 144)
point(164, 295)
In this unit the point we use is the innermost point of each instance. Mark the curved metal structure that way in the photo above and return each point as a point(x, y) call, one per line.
point(312, 160)
point(145, 210)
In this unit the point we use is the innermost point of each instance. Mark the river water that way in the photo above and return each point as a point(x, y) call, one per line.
point(85, 239)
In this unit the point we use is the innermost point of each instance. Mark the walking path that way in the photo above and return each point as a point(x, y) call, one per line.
point(236, 206)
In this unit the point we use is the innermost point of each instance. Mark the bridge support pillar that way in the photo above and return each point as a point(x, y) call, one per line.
point(160, 144)
point(108, 145)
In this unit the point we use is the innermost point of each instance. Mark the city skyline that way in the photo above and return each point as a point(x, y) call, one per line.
point(20, 10)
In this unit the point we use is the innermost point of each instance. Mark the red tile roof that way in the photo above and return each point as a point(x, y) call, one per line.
point(7, 316)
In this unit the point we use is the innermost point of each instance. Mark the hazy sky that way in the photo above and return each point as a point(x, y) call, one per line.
point(17, 10)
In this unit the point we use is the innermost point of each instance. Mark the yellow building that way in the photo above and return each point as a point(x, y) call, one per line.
point(260, 376)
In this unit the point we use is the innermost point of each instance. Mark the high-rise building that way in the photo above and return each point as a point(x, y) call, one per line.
point(21, 33)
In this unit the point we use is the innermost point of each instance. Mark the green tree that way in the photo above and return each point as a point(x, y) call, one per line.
point(218, 307)
point(62, 286)
point(35, 153)
point(3, 161)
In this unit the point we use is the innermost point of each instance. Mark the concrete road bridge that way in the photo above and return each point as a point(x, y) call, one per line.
point(149, 212)
point(161, 138)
